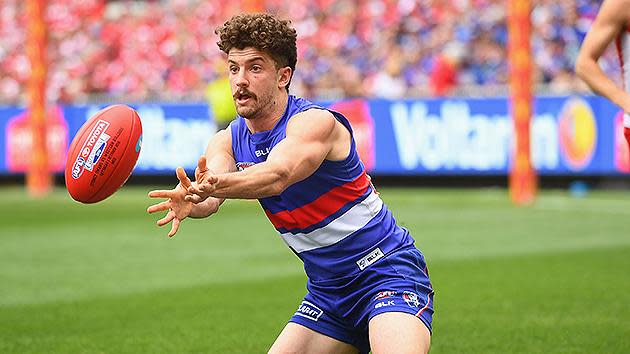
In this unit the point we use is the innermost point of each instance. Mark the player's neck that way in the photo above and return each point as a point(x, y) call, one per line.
point(268, 119)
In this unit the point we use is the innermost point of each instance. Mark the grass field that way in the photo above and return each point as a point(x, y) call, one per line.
point(551, 278)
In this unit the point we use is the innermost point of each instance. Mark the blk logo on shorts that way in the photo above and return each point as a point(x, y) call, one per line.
point(370, 258)
point(309, 311)
point(384, 304)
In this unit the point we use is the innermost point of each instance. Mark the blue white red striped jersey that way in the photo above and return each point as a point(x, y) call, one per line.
point(333, 220)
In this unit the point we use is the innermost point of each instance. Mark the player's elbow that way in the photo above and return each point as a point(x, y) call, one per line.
point(581, 66)
point(280, 181)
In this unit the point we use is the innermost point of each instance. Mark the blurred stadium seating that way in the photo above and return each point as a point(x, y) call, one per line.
point(165, 50)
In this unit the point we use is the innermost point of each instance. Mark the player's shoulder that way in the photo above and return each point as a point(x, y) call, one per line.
point(314, 121)
point(313, 115)
point(223, 137)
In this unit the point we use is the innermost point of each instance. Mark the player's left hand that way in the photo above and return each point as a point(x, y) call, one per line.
point(178, 207)
point(204, 184)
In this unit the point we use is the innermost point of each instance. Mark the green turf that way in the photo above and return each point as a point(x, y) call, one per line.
point(551, 278)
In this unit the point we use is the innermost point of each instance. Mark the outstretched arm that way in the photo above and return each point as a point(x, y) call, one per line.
point(178, 208)
point(218, 158)
point(612, 18)
point(179, 203)
point(311, 137)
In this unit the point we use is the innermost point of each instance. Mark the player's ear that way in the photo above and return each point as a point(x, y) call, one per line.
point(284, 76)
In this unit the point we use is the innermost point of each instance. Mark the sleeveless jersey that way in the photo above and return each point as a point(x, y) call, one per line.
point(623, 51)
point(333, 220)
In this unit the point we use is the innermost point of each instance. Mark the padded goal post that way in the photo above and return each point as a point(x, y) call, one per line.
point(522, 179)
point(38, 176)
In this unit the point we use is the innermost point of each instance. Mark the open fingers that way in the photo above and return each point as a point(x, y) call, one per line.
point(202, 169)
point(165, 220)
point(194, 198)
point(182, 177)
point(196, 190)
point(202, 164)
point(202, 189)
point(161, 193)
point(159, 207)
point(174, 228)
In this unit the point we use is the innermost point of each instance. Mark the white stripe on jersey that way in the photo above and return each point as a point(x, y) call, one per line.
point(352, 220)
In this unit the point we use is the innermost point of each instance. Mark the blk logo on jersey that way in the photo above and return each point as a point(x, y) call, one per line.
point(309, 311)
point(262, 152)
point(411, 299)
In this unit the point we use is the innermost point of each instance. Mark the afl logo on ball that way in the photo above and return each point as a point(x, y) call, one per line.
point(92, 149)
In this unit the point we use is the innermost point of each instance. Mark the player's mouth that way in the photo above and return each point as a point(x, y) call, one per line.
point(242, 96)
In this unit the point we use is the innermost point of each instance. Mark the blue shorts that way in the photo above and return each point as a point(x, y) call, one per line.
point(342, 308)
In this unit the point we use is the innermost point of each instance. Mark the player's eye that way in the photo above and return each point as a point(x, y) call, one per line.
point(233, 69)
point(256, 68)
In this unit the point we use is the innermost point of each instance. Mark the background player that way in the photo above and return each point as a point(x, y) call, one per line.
point(611, 24)
point(300, 161)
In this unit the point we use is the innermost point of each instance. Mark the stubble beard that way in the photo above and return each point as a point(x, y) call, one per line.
point(259, 108)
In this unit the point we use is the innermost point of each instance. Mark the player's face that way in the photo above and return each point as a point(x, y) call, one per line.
point(254, 81)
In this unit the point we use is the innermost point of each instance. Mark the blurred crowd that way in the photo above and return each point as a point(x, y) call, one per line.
point(166, 50)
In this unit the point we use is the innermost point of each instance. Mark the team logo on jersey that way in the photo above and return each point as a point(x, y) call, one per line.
point(308, 310)
point(243, 165)
point(411, 299)
point(384, 295)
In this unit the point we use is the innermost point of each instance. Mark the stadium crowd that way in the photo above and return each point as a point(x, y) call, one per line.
point(147, 50)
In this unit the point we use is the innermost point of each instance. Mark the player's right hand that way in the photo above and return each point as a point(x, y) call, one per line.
point(178, 207)
point(200, 191)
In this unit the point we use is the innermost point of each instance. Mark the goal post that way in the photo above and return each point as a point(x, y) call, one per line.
point(523, 182)
point(38, 175)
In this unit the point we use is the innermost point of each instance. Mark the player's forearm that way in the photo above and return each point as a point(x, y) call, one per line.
point(259, 181)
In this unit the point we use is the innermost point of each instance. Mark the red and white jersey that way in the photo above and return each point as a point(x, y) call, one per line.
point(623, 51)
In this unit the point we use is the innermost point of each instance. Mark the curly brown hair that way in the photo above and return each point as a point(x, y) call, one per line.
point(264, 32)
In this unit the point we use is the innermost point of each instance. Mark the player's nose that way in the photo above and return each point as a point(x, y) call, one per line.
point(240, 80)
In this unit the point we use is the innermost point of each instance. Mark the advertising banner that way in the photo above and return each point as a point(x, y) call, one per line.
point(574, 135)
point(569, 136)
point(173, 135)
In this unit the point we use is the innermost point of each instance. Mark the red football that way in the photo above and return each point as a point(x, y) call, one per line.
point(103, 154)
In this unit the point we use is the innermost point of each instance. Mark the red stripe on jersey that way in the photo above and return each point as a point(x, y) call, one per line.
point(322, 207)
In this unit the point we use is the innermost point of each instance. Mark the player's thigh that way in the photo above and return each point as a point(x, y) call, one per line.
point(295, 338)
point(398, 332)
